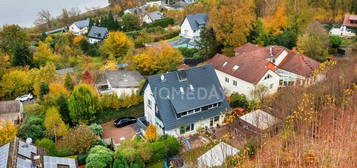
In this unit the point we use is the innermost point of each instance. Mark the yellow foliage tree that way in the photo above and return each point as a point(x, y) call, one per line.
point(44, 74)
point(158, 59)
point(117, 45)
point(7, 132)
point(151, 133)
point(54, 123)
point(232, 21)
point(277, 22)
point(44, 55)
point(110, 65)
point(77, 39)
point(56, 89)
point(15, 83)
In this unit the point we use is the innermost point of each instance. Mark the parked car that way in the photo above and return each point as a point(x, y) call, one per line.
point(124, 121)
point(25, 97)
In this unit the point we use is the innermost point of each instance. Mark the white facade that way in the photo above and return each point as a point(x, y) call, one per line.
point(93, 40)
point(147, 19)
point(343, 31)
point(187, 32)
point(118, 91)
point(78, 31)
point(232, 84)
point(150, 110)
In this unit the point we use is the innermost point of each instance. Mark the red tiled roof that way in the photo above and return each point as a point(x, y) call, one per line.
point(299, 64)
point(251, 60)
point(347, 20)
point(183, 66)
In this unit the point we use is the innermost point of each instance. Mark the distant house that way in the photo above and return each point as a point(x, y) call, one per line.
point(121, 82)
point(179, 5)
point(140, 11)
point(271, 66)
point(59, 30)
point(80, 27)
point(152, 16)
point(258, 122)
point(180, 103)
point(97, 34)
point(193, 24)
point(21, 154)
point(11, 111)
point(348, 28)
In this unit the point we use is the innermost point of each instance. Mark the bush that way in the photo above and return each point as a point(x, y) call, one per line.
point(97, 129)
point(32, 127)
point(48, 145)
point(82, 158)
point(188, 52)
point(239, 100)
point(99, 157)
point(79, 139)
point(161, 22)
point(172, 144)
point(252, 145)
point(120, 162)
point(335, 41)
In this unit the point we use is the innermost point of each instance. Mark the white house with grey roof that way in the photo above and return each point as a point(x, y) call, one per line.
point(181, 102)
point(152, 17)
point(121, 82)
point(192, 25)
point(80, 27)
point(97, 34)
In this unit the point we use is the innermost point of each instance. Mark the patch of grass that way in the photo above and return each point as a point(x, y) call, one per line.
point(159, 164)
point(111, 114)
point(174, 38)
point(97, 61)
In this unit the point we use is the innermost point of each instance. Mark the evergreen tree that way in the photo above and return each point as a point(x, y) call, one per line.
point(208, 45)
point(44, 89)
point(22, 56)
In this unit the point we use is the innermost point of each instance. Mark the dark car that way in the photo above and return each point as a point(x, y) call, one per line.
point(121, 122)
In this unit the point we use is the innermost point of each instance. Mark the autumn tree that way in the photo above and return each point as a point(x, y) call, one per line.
point(68, 82)
point(83, 104)
point(130, 22)
point(109, 65)
point(15, 83)
point(44, 55)
point(299, 14)
point(55, 89)
point(44, 74)
point(54, 123)
point(314, 42)
point(158, 59)
point(232, 21)
point(151, 133)
point(11, 36)
point(44, 17)
point(7, 132)
point(117, 45)
point(87, 78)
point(79, 139)
point(277, 22)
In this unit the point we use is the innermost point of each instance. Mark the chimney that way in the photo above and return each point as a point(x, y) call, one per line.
point(271, 51)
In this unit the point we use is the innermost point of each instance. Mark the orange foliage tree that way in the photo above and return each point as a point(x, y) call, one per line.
point(7, 132)
point(151, 133)
point(278, 21)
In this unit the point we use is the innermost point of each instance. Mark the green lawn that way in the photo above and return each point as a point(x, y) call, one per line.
point(159, 164)
point(109, 115)
point(174, 38)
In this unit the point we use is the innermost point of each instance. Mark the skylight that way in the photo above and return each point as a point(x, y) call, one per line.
point(235, 67)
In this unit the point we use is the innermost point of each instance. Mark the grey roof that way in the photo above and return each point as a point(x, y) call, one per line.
point(24, 163)
point(62, 29)
point(26, 150)
point(179, 4)
point(170, 100)
point(4, 153)
point(98, 32)
point(64, 71)
point(124, 78)
point(197, 20)
point(11, 106)
point(53, 162)
point(82, 23)
point(156, 15)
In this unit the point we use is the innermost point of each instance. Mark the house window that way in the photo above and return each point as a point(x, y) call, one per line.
point(149, 103)
point(197, 110)
point(187, 128)
point(227, 80)
point(213, 121)
point(268, 77)
point(281, 82)
point(271, 86)
point(194, 31)
point(234, 82)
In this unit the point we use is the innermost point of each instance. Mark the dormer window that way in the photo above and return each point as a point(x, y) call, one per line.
point(235, 67)
point(224, 64)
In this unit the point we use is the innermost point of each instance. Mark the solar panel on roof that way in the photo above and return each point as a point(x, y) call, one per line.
point(24, 163)
point(53, 162)
point(26, 149)
point(4, 153)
